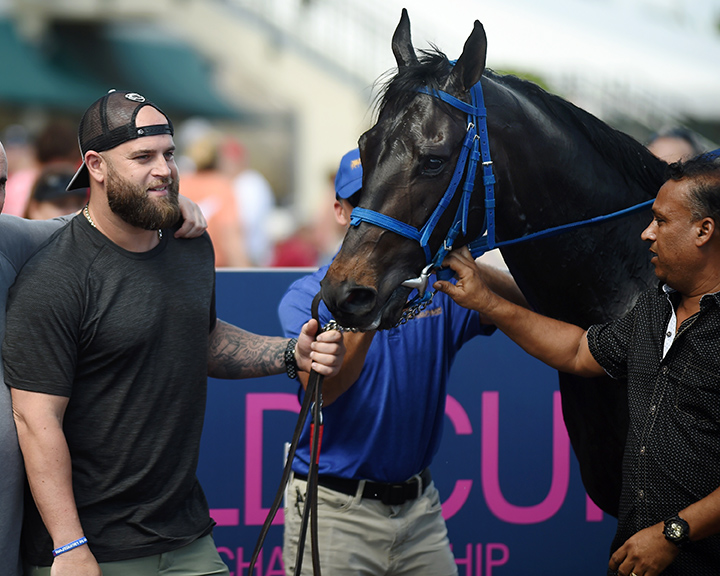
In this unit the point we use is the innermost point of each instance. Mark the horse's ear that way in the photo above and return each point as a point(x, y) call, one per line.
point(402, 42)
point(470, 66)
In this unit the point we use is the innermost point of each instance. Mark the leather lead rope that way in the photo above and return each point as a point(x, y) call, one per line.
point(310, 510)
point(311, 401)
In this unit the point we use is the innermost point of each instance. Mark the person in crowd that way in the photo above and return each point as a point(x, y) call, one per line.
point(122, 315)
point(254, 199)
point(327, 232)
point(668, 349)
point(55, 145)
point(675, 143)
point(379, 511)
point(19, 238)
point(22, 168)
point(213, 191)
point(49, 197)
point(294, 246)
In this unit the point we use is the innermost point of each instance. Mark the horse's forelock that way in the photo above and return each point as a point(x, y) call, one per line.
point(431, 71)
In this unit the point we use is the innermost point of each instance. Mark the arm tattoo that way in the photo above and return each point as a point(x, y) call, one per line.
point(235, 353)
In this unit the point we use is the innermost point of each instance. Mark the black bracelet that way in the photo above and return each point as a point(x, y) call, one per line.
point(290, 363)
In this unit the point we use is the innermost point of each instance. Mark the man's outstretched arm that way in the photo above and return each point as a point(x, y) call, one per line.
point(560, 345)
point(235, 353)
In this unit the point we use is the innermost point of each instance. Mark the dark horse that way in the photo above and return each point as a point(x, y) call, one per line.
point(554, 164)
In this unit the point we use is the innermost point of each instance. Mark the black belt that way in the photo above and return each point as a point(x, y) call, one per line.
point(388, 494)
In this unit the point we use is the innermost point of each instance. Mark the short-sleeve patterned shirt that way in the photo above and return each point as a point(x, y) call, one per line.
point(672, 453)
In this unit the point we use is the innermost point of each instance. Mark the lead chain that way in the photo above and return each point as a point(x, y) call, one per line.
point(333, 325)
point(407, 315)
point(413, 311)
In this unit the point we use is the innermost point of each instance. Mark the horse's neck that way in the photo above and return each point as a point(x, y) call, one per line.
point(549, 173)
point(551, 165)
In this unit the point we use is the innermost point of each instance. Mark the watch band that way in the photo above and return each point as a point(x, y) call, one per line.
point(291, 366)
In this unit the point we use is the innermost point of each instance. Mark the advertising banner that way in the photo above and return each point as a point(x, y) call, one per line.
point(509, 481)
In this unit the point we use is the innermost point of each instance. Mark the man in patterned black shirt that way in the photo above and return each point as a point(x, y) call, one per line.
point(668, 348)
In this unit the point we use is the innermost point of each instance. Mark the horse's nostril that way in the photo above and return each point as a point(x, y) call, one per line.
point(358, 299)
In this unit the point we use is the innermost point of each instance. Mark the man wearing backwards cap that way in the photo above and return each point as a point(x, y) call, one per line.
point(19, 238)
point(123, 317)
point(379, 512)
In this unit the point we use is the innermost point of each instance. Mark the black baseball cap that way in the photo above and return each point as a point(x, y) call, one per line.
point(110, 121)
point(51, 184)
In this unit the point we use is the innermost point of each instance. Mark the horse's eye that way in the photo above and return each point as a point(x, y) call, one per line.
point(432, 166)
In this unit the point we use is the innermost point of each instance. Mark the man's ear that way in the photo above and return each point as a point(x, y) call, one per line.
point(342, 212)
point(706, 230)
point(94, 163)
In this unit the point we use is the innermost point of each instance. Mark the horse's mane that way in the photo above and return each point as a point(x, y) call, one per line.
point(616, 148)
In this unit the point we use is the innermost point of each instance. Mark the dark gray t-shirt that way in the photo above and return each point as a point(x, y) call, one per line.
point(124, 336)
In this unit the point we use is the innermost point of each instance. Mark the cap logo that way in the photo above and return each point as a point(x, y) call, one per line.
point(355, 164)
point(135, 97)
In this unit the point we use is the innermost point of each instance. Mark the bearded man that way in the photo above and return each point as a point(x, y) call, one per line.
point(113, 334)
point(19, 239)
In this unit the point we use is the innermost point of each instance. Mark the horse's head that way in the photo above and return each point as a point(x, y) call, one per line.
point(408, 161)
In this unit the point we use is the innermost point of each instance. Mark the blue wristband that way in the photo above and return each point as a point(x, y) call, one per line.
point(70, 546)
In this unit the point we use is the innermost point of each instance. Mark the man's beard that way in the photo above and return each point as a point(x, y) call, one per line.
point(134, 206)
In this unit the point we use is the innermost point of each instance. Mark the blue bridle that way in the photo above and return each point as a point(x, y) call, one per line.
point(475, 148)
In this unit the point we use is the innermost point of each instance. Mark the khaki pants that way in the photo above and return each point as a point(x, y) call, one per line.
point(200, 558)
point(362, 537)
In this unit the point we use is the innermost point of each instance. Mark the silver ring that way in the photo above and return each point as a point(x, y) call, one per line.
point(633, 574)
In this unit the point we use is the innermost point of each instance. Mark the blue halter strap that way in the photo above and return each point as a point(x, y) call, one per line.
point(475, 148)
point(481, 245)
point(712, 155)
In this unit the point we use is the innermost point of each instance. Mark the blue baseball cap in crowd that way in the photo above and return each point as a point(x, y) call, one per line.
point(348, 179)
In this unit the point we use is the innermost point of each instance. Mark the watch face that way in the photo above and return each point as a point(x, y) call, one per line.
point(675, 530)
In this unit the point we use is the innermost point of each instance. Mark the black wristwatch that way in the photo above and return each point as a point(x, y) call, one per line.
point(677, 531)
point(290, 362)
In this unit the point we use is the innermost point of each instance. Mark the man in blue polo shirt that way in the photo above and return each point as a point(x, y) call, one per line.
point(379, 511)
